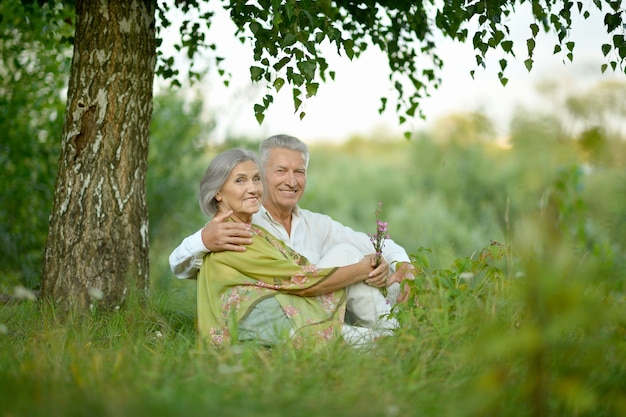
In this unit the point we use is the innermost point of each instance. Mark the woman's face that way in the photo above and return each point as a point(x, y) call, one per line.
point(242, 192)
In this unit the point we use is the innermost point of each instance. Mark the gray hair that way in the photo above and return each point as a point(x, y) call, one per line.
point(217, 173)
point(283, 141)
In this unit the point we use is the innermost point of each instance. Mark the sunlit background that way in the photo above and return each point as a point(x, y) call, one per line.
point(349, 105)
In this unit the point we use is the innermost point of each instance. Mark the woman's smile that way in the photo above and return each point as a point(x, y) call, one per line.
point(242, 191)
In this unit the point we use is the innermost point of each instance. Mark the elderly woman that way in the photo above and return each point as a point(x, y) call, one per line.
point(269, 293)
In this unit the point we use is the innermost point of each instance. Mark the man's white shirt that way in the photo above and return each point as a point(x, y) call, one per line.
point(312, 235)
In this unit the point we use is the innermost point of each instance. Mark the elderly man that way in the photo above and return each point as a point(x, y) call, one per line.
point(285, 160)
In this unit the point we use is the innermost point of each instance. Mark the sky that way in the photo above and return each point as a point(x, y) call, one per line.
point(349, 105)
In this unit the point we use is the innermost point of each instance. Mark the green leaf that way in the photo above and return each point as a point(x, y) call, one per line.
point(530, 44)
point(570, 46)
point(254, 27)
point(289, 9)
point(295, 78)
point(483, 47)
point(280, 64)
point(259, 113)
point(529, 64)
point(507, 46)
point(307, 68)
point(348, 47)
point(311, 89)
point(289, 40)
point(277, 19)
point(279, 83)
point(411, 110)
point(297, 101)
point(498, 35)
point(534, 28)
point(383, 105)
point(256, 73)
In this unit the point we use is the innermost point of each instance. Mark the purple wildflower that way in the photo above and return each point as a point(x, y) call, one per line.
point(378, 238)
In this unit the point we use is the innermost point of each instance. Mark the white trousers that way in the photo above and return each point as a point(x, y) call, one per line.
point(366, 307)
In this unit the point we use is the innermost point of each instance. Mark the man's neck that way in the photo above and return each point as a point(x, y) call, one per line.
point(281, 216)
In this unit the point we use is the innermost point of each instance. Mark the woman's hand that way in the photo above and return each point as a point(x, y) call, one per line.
point(378, 277)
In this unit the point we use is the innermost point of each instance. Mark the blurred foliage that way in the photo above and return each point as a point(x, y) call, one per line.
point(181, 146)
point(35, 58)
point(177, 160)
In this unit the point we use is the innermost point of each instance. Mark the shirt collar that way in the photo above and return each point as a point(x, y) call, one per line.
point(263, 212)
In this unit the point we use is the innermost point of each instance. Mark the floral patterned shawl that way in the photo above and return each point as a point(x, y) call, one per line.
point(231, 283)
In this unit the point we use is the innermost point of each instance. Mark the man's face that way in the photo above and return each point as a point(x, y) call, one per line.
point(285, 179)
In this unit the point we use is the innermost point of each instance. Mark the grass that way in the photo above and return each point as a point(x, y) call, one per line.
point(139, 362)
point(487, 341)
point(534, 327)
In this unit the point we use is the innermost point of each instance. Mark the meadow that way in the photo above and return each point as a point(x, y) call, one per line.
point(519, 307)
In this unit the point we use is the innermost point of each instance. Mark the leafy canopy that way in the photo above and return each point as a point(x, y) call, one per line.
point(287, 36)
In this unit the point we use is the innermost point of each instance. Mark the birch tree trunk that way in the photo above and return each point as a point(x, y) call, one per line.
point(97, 247)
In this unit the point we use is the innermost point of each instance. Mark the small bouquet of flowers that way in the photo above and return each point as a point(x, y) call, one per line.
point(378, 238)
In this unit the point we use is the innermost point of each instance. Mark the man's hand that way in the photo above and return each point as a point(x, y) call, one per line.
point(219, 235)
point(404, 270)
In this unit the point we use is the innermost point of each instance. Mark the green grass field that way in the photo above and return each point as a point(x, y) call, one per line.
point(519, 309)
point(484, 342)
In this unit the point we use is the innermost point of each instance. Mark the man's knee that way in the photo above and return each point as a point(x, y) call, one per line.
point(340, 255)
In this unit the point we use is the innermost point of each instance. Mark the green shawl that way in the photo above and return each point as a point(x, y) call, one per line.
point(231, 283)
